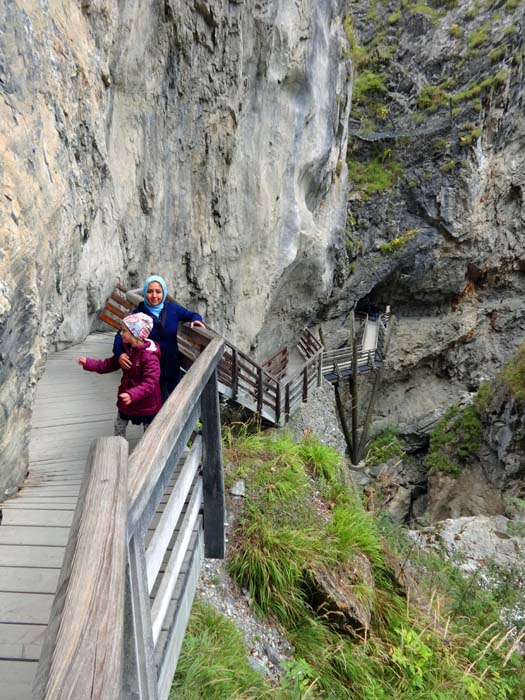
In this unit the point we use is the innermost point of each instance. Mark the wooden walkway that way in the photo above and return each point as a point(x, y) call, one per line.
point(72, 408)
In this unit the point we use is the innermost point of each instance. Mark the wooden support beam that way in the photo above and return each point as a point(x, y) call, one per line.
point(353, 387)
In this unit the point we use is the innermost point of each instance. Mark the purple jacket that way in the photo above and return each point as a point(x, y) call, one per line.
point(140, 381)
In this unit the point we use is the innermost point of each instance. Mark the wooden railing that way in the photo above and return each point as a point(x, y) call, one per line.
point(277, 364)
point(250, 384)
point(263, 388)
point(141, 528)
point(340, 361)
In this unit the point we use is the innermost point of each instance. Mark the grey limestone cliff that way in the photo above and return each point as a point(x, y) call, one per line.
point(204, 141)
point(436, 223)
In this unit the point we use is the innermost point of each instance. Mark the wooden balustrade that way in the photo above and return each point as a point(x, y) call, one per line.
point(132, 561)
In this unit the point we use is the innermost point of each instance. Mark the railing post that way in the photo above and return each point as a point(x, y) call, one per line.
point(235, 373)
point(305, 384)
point(212, 477)
point(140, 672)
point(287, 403)
point(320, 369)
point(277, 403)
point(260, 396)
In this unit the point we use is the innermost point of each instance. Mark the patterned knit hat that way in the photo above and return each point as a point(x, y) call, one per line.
point(139, 325)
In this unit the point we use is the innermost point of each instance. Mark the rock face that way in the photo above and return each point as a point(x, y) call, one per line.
point(479, 540)
point(202, 141)
point(436, 209)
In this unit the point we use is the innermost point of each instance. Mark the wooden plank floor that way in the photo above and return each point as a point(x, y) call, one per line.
point(72, 408)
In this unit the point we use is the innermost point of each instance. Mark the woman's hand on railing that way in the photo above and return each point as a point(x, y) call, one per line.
point(199, 324)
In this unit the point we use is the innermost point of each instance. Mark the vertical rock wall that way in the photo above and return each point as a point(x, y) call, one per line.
point(204, 141)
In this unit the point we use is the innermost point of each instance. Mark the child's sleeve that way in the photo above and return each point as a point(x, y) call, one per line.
point(110, 364)
point(150, 380)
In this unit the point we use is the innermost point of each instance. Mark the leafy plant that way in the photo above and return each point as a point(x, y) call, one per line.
point(396, 244)
point(384, 447)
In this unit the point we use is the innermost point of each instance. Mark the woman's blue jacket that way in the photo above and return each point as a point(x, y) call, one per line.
point(164, 332)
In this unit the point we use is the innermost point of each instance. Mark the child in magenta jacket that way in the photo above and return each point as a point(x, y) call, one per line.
point(139, 398)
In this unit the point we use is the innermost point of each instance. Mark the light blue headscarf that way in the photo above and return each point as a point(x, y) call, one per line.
point(154, 310)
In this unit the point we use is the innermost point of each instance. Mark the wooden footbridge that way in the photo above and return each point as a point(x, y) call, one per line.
point(101, 549)
point(370, 351)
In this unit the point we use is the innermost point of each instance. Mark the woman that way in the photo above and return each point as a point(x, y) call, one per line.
point(166, 317)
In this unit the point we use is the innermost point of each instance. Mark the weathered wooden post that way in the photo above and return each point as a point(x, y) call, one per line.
point(277, 402)
point(305, 384)
point(212, 476)
point(375, 388)
point(260, 395)
point(235, 373)
point(353, 387)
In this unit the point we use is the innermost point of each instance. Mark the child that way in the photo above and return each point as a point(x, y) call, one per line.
point(139, 397)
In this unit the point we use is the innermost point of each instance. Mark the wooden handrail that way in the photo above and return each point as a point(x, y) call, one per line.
point(82, 653)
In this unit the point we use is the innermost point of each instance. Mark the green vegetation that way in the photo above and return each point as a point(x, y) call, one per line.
point(213, 663)
point(511, 5)
point(396, 244)
point(479, 37)
point(431, 97)
point(513, 375)
point(467, 139)
point(384, 447)
point(455, 438)
point(367, 82)
point(496, 54)
point(373, 176)
point(422, 9)
point(475, 90)
point(456, 31)
point(394, 17)
point(298, 516)
point(448, 167)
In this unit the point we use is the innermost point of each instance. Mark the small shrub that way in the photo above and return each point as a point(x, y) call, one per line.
point(367, 82)
point(394, 17)
point(455, 438)
point(448, 167)
point(480, 37)
point(496, 54)
point(455, 31)
point(374, 176)
point(396, 244)
point(513, 375)
point(431, 97)
point(422, 9)
point(384, 447)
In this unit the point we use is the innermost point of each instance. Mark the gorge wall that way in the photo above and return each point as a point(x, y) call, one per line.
point(436, 223)
point(204, 141)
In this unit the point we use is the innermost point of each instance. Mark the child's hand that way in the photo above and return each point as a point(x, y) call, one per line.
point(126, 398)
point(200, 324)
point(82, 361)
